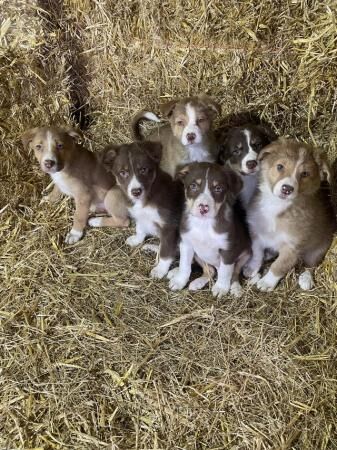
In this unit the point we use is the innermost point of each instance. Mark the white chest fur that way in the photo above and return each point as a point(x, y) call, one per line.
point(205, 241)
point(197, 153)
point(249, 187)
point(62, 182)
point(147, 218)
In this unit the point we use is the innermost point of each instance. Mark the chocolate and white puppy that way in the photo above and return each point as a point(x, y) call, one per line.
point(240, 148)
point(290, 214)
point(210, 229)
point(156, 200)
point(188, 136)
point(76, 172)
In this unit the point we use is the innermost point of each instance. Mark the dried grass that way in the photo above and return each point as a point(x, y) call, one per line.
point(94, 354)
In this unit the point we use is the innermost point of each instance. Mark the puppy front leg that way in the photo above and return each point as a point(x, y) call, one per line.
point(137, 238)
point(181, 277)
point(82, 208)
point(285, 261)
point(167, 251)
point(53, 196)
point(253, 266)
point(223, 283)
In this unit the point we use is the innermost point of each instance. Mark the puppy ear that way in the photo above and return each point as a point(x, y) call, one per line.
point(167, 108)
point(267, 132)
point(211, 104)
point(182, 172)
point(324, 168)
point(76, 134)
point(153, 149)
point(234, 182)
point(28, 136)
point(267, 150)
point(109, 155)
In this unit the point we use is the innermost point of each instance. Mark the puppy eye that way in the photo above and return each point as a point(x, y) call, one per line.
point(59, 146)
point(180, 123)
point(236, 151)
point(38, 147)
point(201, 120)
point(193, 187)
point(143, 170)
point(280, 167)
point(123, 173)
point(218, 189)
point(305, 174)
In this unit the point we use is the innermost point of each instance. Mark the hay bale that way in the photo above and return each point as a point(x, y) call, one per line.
point(94, 354)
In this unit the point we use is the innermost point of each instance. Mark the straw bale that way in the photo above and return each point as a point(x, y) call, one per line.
point(94, 354)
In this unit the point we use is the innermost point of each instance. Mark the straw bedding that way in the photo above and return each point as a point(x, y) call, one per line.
point(94, 354)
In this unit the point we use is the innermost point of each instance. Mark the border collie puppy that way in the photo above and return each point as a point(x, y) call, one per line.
point(240, 148)
point(210, 230)
point(290, 213)
point(188, 136)
point(156, 200)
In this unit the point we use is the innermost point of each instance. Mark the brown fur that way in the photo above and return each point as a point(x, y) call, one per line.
point(76, 172)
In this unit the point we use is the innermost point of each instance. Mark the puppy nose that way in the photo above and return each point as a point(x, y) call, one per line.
point(136, 192)
point(203, 209)
point(49, 163)
point(190, 137)
point(287, 189)
point(251, 164)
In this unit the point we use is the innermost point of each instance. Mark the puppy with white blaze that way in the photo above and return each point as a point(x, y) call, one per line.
point(156, 200)
point(210, 230)
point(290, 214)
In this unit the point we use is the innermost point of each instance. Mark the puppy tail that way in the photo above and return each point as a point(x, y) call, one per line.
point(138, 118)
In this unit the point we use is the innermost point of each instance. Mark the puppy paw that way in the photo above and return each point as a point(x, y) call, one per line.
point(306, 281)
point(172, 273)
point(178, 282)
point(236, 289)
point(158, 272)
point(73, 236)
point(268, 282)
point(252, 281)
point(95, 221)
point(220, 289)
point(151, 248)
point(250, 271)
point(134, 240)
point(197, 284)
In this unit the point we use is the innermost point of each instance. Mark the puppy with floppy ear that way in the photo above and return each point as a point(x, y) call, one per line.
point(210, 230)
point(188, 137)
point(290, 214)
point(155, 200)
point(76, 172)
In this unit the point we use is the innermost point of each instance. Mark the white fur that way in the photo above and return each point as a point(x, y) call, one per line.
point(198, 153)
point(236, 289)
point(191, 126)
point(268, 282)
point(60, 179)
point(223, 284)
point(48, 155)
point(134, 184)
point(161, 269)
point(147, 222)
point(95, 221)
point(290, 181)
point(306, 281)
point(73, 236)
point(179, 278)
point(151, 116)
point(198, 283)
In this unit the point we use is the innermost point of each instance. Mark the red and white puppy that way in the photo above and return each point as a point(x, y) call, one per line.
point(290, 214)
point(156, 200)
point(76, 172)
point(188, 137)
point(210, 231)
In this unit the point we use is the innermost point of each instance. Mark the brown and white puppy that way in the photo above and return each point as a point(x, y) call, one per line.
point(289, 214)
point(76, 172)
point(210, 230)
point(156, 199)
point(188, 137)
point(240, 149)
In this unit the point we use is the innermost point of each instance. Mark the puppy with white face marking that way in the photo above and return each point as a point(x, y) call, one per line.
point(156, 199)
point(240, 148)
point(76, 172)
point(290, 214)
point(210, 229)
point(188, 137)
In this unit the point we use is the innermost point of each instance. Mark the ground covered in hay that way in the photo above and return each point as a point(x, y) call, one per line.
point(93, 353)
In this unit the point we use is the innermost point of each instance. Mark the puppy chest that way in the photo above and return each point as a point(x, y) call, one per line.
point(147, 218)
point(63, 182)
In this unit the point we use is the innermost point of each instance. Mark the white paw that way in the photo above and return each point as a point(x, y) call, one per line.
point(73, 236)
point(236, 289)
point(197, 284)
point(134, 240)
point(254, 279)
point(220, 289)
point(250, 270)
point(178, 282)
point(95, 221)
point(268, 282)
point(158, 272)
point(172, 273)
point(306, 281)
point(152, 248)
